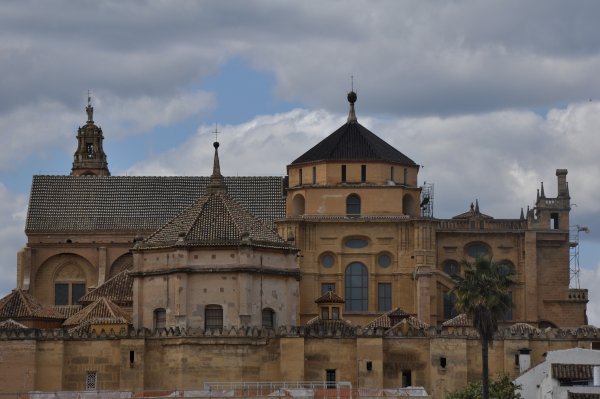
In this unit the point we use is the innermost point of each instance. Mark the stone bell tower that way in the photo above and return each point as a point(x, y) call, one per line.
point(90, 159)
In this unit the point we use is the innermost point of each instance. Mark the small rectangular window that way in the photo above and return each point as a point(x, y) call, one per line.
point(61, 294)
point(330, 378)
point(300, 176)
point(160, 318)
point(343, 173)
point(384, 297)
point(314, 173)
point(324, 313)
point(91, 380)
point(391, 173)
point(405, 175)
point(213, 317)
point(363, 173)
point(326, 287)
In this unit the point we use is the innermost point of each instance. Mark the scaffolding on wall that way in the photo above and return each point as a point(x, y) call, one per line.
point(427, 200)
point(574, 232)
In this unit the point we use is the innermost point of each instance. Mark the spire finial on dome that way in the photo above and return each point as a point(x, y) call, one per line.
point(89, 109)
point(351, 114)
point(216, 183)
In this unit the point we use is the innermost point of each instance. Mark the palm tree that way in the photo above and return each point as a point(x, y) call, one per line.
point(483, 294)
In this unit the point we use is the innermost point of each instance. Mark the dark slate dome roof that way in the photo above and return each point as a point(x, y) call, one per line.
point(353, 142)
point(215, 220)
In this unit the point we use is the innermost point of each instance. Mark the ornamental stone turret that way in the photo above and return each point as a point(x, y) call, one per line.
point(89, 158)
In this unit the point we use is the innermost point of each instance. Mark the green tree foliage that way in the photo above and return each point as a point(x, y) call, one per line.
point(483, 293)
point(500, 388)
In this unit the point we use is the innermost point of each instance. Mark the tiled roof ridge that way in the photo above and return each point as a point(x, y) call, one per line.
point(460, 320)
point(112, 308)
point(330, 297)
point(384, 319)
point(203, 199)
point(100, 290)
point(19, 301)
point(10, 324)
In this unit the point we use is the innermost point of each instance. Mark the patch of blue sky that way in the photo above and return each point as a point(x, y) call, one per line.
point(242, 92)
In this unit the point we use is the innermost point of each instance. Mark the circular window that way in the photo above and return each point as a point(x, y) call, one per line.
point(384, 260)
point(356, 243)
point(477, 250)
point(327, 261)
point(451, 267)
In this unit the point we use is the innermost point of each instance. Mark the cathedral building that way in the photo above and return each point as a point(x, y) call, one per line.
point(337, 272)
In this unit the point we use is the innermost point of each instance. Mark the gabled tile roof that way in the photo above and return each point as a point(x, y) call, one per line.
point(103, 310)
point(119, 289)
point(215, 219)
point(137, 203)
point(330, 297)
point(353, 142)
point(20, 305)
point(572, 371)
point(395, 317)
point(10, 324)
point(458, 321)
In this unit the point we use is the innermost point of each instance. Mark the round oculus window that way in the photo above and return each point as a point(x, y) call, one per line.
point(327, 261)
point(384, 260)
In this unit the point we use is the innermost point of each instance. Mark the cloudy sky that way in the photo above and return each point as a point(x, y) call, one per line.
point(491, 97)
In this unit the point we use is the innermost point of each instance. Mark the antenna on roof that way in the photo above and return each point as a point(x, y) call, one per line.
point(351, 82)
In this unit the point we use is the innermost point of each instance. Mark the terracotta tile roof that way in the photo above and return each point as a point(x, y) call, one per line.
point(103, 309)
point(119, 289)
point(572, 371)
point(394, 317)
point(137, 203)
point(215, 219)
point(67, 310)
point(523, 328)
point(353, 142)
point(458, 321)
point(20, 305)
point(330, 297)
point(411, 321)
point(10, 324)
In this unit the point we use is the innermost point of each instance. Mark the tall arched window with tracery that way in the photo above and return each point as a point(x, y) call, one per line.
point(357, 287)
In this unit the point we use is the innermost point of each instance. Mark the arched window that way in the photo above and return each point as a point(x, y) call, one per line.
point(160, 318)
point(213, 317)
point(357, 287)
point(477, 249)
point(69, 285)
point(298, 205)
point(353, 205)
point(268, 318)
